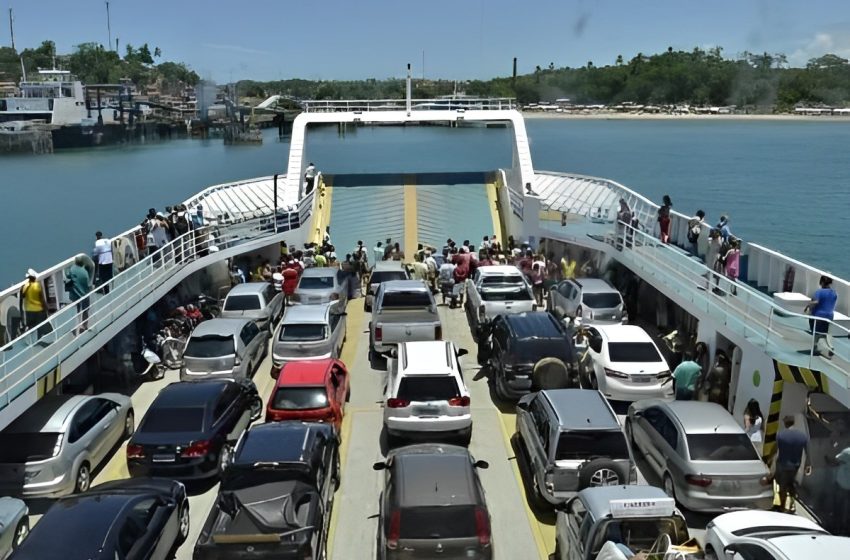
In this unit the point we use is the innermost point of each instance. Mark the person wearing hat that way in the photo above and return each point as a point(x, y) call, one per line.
point(102, 256)
point(34, 304)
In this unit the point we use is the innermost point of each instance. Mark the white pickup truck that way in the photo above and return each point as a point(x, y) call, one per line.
point(496, 290)
point(403, 311)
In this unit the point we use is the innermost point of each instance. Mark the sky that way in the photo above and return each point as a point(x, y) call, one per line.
point(460, 39)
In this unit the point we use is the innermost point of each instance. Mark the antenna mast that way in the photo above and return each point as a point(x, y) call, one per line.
point(408, 89)
point(108, 27)
point(12, 28)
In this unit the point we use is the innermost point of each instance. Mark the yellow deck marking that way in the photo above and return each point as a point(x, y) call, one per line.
point(492, 191)
point(353, 325)
point(322, 219)
point(411, 226)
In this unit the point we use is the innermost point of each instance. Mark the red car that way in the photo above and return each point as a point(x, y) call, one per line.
point(311, 390)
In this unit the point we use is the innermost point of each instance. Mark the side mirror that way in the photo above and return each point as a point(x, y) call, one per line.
point(637, 413)
point(525, 401)
point(379, 466)
point(342, 314)
point(731, 548)
point(481, 464)
point(462, 352)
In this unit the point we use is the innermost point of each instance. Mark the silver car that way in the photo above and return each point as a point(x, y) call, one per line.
point(308, 332)
point(231, 348)
point(14, 524)
point(258, 301)
point(52, 449)
point(703, 457)
point(321, 285)
point(384, 271)
point(591, 301)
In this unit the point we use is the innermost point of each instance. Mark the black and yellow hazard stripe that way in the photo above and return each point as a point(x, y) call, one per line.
point(785, 373)
point(47, 383)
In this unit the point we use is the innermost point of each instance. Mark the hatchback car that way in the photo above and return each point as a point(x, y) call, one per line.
point(52, 449)
point(229, 348)
point(384, 271)
point(321, 285)
point(703, 457)
point(591, 301)
point(258, 301)
point(313, 390)
point(128, 519)
point(571, 439)
point(624, 364)
point(190, 429)
point(754, 527)
point(425, 393)
point(433, 505)
point(14, 524)
point(308, 332)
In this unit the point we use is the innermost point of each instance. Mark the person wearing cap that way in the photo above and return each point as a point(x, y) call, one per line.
point(34, 304)
point(102, 255)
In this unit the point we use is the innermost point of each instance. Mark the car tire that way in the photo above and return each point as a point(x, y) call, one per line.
point(668, 486)
point(337, 472)
point(129, 424)
point(224, 456)
point(630, 438)
point(82, 481)
point(183, 523)
point(157, 372)
point(21, 532)
point(709, 553)
point(466, 437)
point(256, 408)
point(602, 472)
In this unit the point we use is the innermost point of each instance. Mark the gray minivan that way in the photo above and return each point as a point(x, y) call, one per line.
point(231, 348)
point(258, 301)
point(308, 332)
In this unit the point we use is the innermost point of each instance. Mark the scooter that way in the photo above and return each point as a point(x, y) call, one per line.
point(150, 364)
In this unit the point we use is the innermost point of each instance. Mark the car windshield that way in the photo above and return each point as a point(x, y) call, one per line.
point(507, 279)
point(406, 299)
point(432, 388)
point(210, 346)
point(528, 351)
point(21, 448)
point(585, 444)
point(605, 300)
point(437, 522)
point(640, 534)
point(305, 332)
point(173, 419)
point(316, 283)
point(633, 352)
point(386, 275)
point(242, 303)
point(506, 295)
point(721, 447)
point(300, 398)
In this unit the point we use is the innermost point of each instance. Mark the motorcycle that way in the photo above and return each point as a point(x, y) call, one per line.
point(148, 363)
point(170, 342)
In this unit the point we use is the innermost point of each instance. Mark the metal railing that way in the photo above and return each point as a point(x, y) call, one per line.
point(344, 105)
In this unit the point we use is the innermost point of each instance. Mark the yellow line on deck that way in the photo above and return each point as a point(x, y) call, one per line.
point(322, 218)
point(492, 191)
point(411, 227)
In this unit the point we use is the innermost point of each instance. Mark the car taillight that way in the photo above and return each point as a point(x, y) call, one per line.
point(394, 531)
point(459, 401)
point(197, 449)
point(697, 480)
point(438, 332)
point(379, 333)
point(397, 403)
point(482, 526)
point(135, 451)
point(614, 373)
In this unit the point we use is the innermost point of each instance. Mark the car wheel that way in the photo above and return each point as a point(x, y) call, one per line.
point(129, 424)
point(21, 532)
point(157, 372)
point(184, 523)
point(669, 488)
point(709, 553)
point(83, 479)
point(224, 456)
point(256, 408)
point(601, 472)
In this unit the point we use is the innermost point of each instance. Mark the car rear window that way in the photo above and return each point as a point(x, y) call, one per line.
point(721, 447)
point(406, 299)
point(300, 398)
point(441, 522)
point(174, 419)
point(316, 283)
point(387, 275)
point(307, 332)
point(242, 303)
point(210, 346)
point(501, 279)
point(633, 352)
point(505, 295)
point(604, 300)
point(437, 388)
point(22, 448)
point(581, 445)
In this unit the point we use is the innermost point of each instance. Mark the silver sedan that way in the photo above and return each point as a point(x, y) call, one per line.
point(703, 457)
point(321, 285)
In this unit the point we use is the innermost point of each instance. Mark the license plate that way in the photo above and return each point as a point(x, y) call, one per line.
point(163, 458)
point(427, 411)
point(641, 379)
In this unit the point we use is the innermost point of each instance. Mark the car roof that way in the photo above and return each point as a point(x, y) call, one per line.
point(623, 333)
point(579, 409)
point(317, 313)
point(698, 417)
point(388, 265)
point(285, 442)
point(248, 288)
point(404, 286)
point(304, 372)
point(48, 414)
point(499, 270)
point(737, 520)
point(598, 499)
point(533, 324)
point(594, 285)
point(434, 475)
point(219, 327)
point(319, 271)
point(806, 547)
point(428, 356)
point(191, 393)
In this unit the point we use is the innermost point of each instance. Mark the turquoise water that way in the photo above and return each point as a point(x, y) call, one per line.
point(784, 184)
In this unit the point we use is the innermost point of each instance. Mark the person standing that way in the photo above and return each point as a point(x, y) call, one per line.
point(538, 278)
point(431, 263)
point(624, 222)
point(790, 445)
point(664, 218)
point(420, 269)
point(78, 285)
point(822, 306)
point(723, 227)
point(290, 281)
point(731, 261)
point(568, 267)
point(102, 255)
point(34, 304)
point(713, 258)
point(753, 421)
point(310, 178)
point(841, 494)
point(694, 229)
point(685, 376)
point(378, 252)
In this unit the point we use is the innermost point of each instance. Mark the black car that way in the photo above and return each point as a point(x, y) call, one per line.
point(137, 519)
point(433, 505)
point(527, 352)
point(276, 495)
point(191, 427)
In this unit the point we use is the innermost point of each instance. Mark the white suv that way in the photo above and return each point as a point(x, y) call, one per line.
point(425, 394)
point(623, 363)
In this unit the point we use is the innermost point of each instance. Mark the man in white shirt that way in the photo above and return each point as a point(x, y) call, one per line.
point(310, 177)
point(102, 255)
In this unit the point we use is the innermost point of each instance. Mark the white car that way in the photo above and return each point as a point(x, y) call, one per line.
point(756, 530)
point(425, 393)
point(623, 362)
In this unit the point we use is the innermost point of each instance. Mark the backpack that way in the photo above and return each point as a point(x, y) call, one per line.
point(693, 233)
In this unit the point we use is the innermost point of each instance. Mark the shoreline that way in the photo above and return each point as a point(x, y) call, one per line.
point(668, 117)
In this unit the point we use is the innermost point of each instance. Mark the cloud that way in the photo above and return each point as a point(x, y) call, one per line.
point(834, 41)
point(235, 48)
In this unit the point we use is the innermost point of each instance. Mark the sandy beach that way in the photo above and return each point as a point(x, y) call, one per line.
point(601, 115)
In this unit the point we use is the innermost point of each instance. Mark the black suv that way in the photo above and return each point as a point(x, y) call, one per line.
point(275, 497)
point(527, 352)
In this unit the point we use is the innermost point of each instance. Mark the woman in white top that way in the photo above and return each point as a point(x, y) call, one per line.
point(753, 421)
